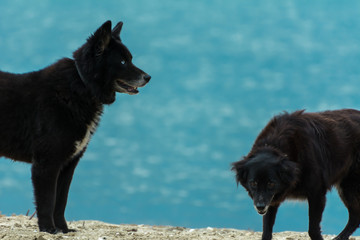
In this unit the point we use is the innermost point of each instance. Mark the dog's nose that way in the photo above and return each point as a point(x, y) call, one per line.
point(260, 208)
point(147, 77)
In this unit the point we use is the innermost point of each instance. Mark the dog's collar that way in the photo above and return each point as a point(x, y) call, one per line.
point(79, 72)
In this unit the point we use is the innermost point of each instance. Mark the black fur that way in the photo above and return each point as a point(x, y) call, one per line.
point(47, 117)
point(302, 156)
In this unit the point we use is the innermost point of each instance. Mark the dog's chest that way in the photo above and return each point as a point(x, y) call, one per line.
point(81, 144)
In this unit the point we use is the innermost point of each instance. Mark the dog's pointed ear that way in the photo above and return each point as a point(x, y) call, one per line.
point(102, 37)
point(117, 29)
point(241, 171)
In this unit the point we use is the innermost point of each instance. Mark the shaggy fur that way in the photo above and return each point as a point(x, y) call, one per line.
point(302, 156)
point(48, 116)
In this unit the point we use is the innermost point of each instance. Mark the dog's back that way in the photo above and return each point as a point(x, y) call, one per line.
point(311, 138)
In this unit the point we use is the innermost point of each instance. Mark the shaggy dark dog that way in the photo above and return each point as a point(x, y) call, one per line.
point(47, 117)
point(302, 156)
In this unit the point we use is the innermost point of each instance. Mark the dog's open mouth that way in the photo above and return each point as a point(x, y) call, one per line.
point(262, 210)
point(122, 87)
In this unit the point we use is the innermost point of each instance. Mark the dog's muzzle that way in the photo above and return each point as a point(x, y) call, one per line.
point(131, 87)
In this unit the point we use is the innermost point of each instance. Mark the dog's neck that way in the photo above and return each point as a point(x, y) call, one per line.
point(79, 72)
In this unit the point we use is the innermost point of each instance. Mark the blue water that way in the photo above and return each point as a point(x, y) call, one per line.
point(220, 70)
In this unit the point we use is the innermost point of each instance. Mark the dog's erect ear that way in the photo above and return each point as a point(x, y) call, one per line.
point(102, 37)
point(241, 171)
point(288, 172)
point(117, 29)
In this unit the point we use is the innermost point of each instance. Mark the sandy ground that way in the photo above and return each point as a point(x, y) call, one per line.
point(22, 228)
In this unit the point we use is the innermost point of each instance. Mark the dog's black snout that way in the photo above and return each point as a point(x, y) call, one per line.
point(260, 207)
point(147, 77)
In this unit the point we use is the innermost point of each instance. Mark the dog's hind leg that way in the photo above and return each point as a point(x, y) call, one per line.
point(349, 191)
point(268, 222)
point(63, 185)
point(44, 177)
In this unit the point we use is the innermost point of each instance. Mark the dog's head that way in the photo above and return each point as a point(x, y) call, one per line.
point(265, 175)
point(105, 65)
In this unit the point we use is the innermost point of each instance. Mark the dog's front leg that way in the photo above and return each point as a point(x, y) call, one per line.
point(44, 178)
point(268, 222)
point(316, 208)
point(63, 185)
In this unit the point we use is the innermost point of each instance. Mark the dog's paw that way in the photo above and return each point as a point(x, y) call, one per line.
point(51, 230)
point(67, 230)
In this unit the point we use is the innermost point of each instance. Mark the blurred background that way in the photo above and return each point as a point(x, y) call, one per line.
point(220, 70)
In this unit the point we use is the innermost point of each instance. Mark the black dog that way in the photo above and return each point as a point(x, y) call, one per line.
point(302, 156)
point(47, 117)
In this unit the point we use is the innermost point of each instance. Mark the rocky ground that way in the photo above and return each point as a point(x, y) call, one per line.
point(24, 228)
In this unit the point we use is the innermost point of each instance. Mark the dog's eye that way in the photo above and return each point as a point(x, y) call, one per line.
point(123, 62)
point(253, 184)
point(271, 185)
